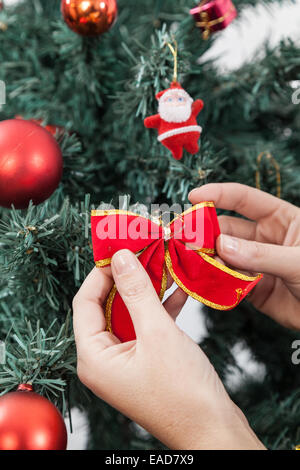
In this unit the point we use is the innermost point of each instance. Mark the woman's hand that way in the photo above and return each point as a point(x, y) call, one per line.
point(162, 381)
point(269, 243)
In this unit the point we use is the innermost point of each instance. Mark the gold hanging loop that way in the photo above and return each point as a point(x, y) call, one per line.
point(174, 51)
point(275, 164)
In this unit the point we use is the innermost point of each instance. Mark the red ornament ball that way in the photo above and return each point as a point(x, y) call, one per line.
point(89, 17)
point(29, 421)
point(31, 163)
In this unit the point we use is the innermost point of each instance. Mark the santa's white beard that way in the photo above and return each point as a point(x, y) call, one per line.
point(170, 113)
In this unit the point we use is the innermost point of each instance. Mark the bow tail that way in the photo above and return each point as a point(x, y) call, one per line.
point(205, 279)
point(118, 319)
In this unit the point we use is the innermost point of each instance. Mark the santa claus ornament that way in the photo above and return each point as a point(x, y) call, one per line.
point(176, 121)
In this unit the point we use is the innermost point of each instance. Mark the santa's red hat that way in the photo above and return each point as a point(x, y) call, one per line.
point(175, 87)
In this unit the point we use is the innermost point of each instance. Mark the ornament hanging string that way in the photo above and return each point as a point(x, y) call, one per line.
point(275, 164)
point(174, 51)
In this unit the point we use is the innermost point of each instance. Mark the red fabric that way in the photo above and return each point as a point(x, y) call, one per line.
point(186, 246)
point(199, 228)
point(114, 232)
point(221, 289)
point(153, 261)
point(187, 141)
point(156, 122)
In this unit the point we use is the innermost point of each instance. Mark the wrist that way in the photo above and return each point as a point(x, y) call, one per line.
point(211, 428)
point(228, 429)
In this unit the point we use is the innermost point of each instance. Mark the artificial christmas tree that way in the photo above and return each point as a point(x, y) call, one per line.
point(99, 90)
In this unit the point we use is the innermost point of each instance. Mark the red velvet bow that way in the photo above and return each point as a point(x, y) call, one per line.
point(185, 247)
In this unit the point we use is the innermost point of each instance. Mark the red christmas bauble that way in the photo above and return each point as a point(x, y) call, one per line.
point(31, 163)
point(29, 421)
point(89, 17)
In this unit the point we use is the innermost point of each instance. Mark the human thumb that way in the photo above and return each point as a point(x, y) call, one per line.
point(137, 292)
point(281, 261)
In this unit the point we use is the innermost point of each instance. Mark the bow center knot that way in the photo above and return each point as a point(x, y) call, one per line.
point(167, 233)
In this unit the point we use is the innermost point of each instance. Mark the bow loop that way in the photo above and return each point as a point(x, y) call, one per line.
point(114, 230)
point(197, 227)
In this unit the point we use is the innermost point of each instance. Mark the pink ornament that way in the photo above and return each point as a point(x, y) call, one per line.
point(213, 15)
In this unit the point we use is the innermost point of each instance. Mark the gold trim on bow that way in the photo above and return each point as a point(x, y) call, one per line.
point(164, 283)
point(108, 307)
point(197, 296)
point(113, 292)
point(192, 209)
point(101, 213)
point(209, 251)
point(103, 263)
point(227, 270)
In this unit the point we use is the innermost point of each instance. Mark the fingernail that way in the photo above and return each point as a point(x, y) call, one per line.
point(124, 262)
point(229, 244)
